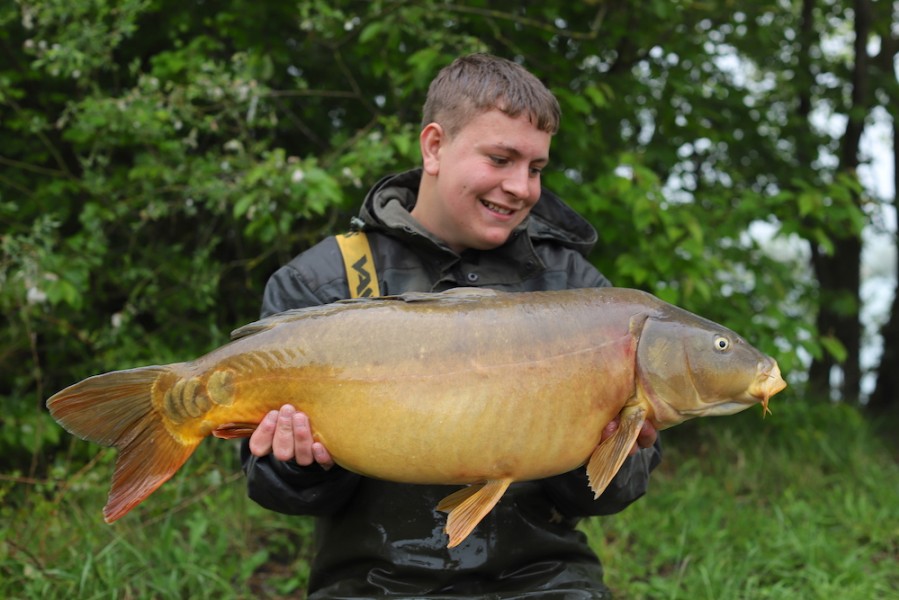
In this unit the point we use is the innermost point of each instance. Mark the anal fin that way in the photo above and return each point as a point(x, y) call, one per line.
point(608, 457)
point(466, 507)
point(231, 431)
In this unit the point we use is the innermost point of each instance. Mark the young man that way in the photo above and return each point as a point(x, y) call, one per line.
point(473, 215)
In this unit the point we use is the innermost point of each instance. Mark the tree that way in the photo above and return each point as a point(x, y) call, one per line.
point(886, 392)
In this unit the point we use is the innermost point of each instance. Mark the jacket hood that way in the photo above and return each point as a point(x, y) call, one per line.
point(388, 205)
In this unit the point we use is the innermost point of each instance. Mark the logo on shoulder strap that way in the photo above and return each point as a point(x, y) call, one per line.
point(359, 264)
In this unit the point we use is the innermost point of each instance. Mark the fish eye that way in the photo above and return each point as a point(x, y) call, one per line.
point(722, 343)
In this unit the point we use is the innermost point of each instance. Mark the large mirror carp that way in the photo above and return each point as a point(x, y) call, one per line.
point(471, 387)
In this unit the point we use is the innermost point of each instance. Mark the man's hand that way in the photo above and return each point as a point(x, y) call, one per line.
point(645, 439)
point(286, 434)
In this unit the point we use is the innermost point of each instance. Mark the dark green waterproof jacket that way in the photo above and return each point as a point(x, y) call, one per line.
point(377, 538)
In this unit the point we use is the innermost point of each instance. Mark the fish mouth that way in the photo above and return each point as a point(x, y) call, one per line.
point(722, 409)
point(768, 383)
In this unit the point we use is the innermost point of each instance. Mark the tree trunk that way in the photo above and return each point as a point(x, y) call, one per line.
point(839, 279)
point(886, 391)
point(806, 150)
point(839, 273)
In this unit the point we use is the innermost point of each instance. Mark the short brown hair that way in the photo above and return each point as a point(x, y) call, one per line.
point(476, 83)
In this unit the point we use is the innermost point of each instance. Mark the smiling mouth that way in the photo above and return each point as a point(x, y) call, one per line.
point(495, 208)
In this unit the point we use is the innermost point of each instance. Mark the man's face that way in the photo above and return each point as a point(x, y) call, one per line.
point(487, 179)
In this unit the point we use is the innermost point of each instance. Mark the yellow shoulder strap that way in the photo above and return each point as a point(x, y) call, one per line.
point(359, 264)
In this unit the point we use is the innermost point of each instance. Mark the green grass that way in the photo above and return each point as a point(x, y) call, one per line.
point(198, 536)
point(802, 504)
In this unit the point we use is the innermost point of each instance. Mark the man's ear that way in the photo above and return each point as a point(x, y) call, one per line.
point(431, 140)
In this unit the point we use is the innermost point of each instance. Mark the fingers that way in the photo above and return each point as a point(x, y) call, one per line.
point(261, 440)
point(647, 436)
point(322, 456)
point(287, 435)
point(634, 449)
point(645, 439)
point(288, 444)
point(609, 429)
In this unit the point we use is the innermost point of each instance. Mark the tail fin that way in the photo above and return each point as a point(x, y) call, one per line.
point(116, 409)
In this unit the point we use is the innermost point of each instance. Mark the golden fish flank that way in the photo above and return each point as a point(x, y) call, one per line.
point(576, 358)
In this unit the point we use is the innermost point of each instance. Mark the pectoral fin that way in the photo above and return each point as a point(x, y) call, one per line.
point(466, 507)
point(608, 457)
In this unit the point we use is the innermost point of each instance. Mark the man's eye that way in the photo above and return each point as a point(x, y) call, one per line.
point(499, 160)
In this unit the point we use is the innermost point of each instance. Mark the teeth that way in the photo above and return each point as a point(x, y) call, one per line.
point(495, 208)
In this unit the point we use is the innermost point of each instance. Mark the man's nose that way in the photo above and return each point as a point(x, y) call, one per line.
point(518, 182)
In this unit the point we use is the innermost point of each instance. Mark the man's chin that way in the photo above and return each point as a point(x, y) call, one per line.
point(491, 240)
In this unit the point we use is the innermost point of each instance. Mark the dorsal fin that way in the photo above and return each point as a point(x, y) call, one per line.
point(460, 293)
point(284, 317)
point(455, 295)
